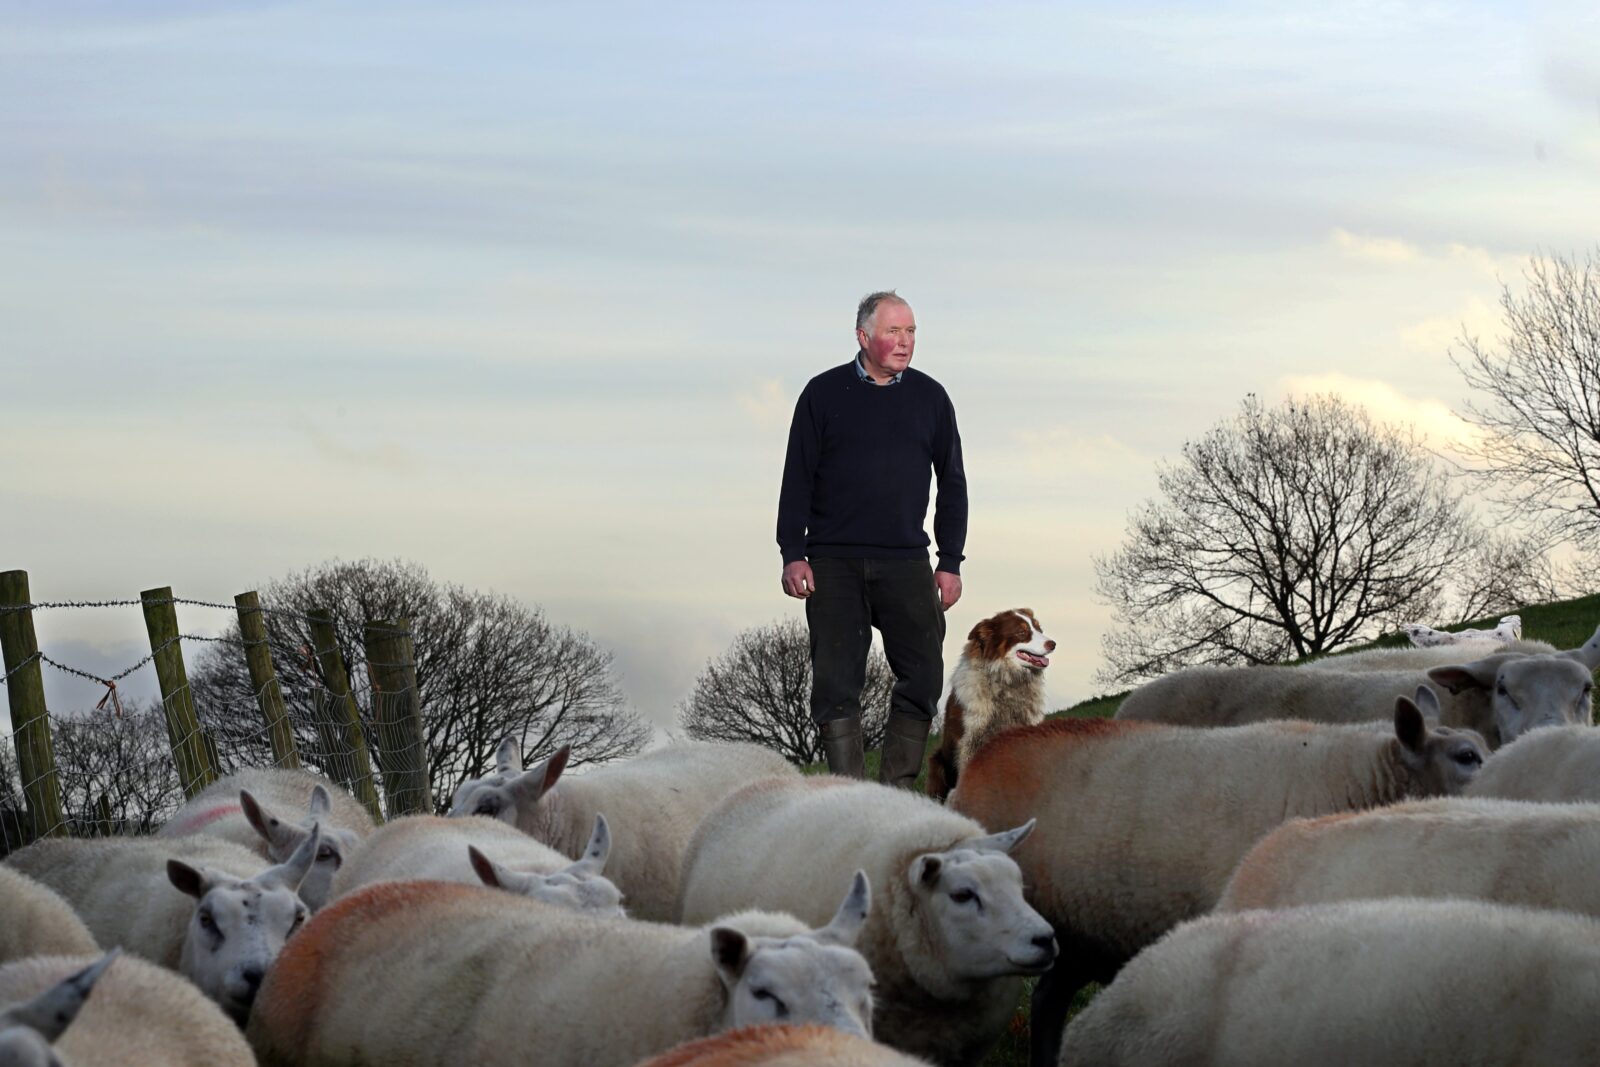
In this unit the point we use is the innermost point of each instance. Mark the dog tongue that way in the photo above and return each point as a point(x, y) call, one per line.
point(1043, 661)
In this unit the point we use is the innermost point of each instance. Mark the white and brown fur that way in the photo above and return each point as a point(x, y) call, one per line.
point(993, 688)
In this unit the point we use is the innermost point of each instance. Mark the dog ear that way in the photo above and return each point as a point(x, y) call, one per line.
point(982, 632)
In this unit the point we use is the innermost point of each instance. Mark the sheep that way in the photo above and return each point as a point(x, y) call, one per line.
point(783, 1046)
point(656, 800)
point(1557, 763)
point(1359, 982)
point(137, 1015)
point(1421, 659)
point(35, 921)
point(476, 850)
point(1506, 851)
point(223, 940)
point(1143, 823)
point(1498, 696)
point(1508, 630)
point(475, 976)
point(949, 935)
point(251, 808)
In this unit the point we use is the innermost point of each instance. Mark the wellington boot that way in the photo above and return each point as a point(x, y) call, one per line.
point(841, 743)
point(905, 740)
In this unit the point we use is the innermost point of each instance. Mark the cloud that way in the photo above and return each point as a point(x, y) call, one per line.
point(769, 403)
point(1374, 249)
point(1433, 420)
point(1439, 334)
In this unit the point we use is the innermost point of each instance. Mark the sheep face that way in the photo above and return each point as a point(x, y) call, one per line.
point(1438, 761)
point(817, 977)
point(239, 926)
point(972, 898)
point(283, 838)
point(1525, 692)
point(507, 794)
point(580, 887)
point(27, 1030)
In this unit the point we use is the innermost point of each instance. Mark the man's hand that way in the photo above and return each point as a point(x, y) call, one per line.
point(949, 586)
point(798, 582)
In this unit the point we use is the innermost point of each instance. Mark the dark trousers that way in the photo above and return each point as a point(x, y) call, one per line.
point(899, 598)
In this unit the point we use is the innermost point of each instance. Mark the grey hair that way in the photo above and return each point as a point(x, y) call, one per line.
point(868, 308)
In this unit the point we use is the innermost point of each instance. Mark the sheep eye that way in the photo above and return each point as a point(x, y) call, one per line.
point(299, 918)
point(1468, 758)
point(779, 1008)
point(207, 923)
point(963, 896)
point(324, 854)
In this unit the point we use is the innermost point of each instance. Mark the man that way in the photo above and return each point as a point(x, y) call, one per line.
point(864, 438)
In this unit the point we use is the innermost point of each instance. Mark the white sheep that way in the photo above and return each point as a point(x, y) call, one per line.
point(135, 892)
point(1360, 982)
point(257, 808)
point(1506, 851)
point(1558, 763)
point(1509, 629)
point(949, 935)
point(476, 850)
point(1499, 696)
point(1141, 824)
point(654, 800)
point(117, 1009)
point(35, 921)
point(783, 1046)
point(435, 973)
point(1421, 659)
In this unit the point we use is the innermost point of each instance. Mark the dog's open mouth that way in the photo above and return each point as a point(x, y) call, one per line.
point(1036, 662)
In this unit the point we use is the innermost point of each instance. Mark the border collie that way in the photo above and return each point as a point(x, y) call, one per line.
point(998, 683)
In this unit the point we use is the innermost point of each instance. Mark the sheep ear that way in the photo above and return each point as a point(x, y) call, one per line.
point(1409, 725)
point(845, 927)
point(1002, 842)
point(1479, 674)
point(321, 801)
point(598, 850)
point(1588, 653)
point(925, 871)
point(269, 826)
point(1427, 702)
point(529, 786)
point(488, 870)
point(194, 881)
point(51, 1012)
point(730, 950)
point(508, 757)
point(292, 871)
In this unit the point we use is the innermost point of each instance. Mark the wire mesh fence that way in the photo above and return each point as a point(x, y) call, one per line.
point(125, 767)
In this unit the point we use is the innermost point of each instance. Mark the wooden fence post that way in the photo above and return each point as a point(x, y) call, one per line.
point(264, 679)
point(189, 750)
point(30, 722)
point(343, 709)
point(397, 715)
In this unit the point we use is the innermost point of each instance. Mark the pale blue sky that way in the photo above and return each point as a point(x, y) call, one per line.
point(525, 293)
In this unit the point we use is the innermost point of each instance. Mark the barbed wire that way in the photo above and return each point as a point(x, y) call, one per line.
point(288, 613)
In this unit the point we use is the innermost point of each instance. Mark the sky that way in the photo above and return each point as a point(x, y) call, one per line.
point(525, 293)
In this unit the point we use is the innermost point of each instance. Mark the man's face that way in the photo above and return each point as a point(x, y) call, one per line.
point(894, 335)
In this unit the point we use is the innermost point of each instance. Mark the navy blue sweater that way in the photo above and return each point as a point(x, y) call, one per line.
point(855, 481)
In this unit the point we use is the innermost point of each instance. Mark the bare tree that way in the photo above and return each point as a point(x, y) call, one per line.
point(759, 690)
point(1282, 532)
point(1540, 447)
point(116, 771)
point(1505, 573)
point(486, 666)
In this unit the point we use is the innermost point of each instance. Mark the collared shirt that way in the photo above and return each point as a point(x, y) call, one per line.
point(861, 372)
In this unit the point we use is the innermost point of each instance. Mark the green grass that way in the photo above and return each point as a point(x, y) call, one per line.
point(1565, 624)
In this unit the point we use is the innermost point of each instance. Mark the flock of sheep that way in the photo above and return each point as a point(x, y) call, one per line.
point(1382, 857)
